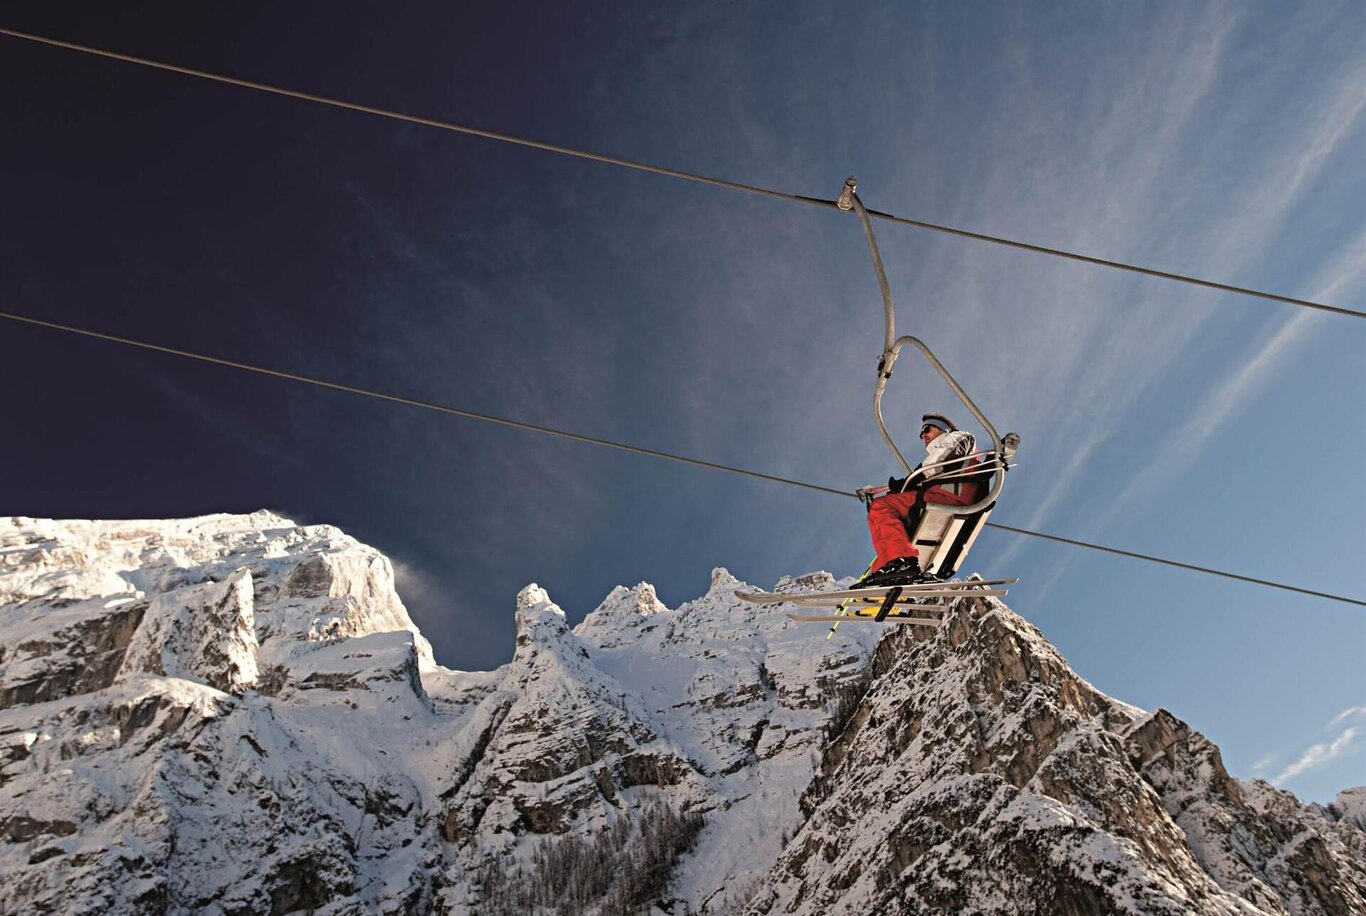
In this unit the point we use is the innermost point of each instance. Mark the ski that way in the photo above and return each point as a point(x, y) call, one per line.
point(817, 600)
point(866, 618)
point(953, 588)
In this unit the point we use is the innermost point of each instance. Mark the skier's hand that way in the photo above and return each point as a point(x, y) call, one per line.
point(869, 493)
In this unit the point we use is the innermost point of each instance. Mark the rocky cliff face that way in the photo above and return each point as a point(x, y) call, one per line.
point(235, 714)
point(980, 774)
point(179, 733)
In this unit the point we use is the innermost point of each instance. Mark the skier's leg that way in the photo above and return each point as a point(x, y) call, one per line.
point(887, 527)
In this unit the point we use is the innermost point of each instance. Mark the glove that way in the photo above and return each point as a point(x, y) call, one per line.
point(895, 484)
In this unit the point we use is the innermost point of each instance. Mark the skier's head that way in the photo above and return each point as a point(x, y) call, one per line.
point(933, 425)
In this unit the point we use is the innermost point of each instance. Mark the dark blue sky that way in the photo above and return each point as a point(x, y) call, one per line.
point(1211, 139)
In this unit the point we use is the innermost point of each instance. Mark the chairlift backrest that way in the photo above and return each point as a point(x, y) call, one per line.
point(942, 534)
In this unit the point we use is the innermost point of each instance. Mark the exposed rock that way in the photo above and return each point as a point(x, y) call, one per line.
point(58, 660)
point(981, 775)
point(203, 633)
point(1350, 807)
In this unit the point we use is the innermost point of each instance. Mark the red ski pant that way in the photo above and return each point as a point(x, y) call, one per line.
point(888, 515)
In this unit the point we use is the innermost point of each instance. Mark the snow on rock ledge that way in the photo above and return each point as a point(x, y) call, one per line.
point(225, 600)
point(204, 632)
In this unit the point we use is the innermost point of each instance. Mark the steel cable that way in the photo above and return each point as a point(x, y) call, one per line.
point(635, 449)
point(676, 173)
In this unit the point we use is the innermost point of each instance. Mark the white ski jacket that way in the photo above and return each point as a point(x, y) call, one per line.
point(945, 447)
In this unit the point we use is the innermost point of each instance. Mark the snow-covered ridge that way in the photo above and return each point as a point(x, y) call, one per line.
point(167, 682)
point(234, 714)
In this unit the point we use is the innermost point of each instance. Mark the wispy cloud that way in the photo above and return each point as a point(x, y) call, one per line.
point(1244, 382)
point(387, 231)
point(1072, 362)
point(1319, 755)
point(1255, 222)
point(417, 588)
point(1270, 197)
point(1046, 577)
point(1350, 713)
point(1263, 764)
point(1322, 753)
point(211, 415)
point(1221, 402)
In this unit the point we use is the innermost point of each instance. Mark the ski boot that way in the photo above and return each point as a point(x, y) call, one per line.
point(901, 571)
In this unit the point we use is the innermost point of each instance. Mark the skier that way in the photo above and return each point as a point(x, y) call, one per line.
point(891, 518)
point(952, 479)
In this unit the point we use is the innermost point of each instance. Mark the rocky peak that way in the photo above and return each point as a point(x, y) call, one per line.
point(981, 774)
point(1350, 807)
point(722, 581)
point(624, 615)
point(539, 621)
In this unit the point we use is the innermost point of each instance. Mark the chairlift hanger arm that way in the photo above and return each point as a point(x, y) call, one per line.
point(849, 200)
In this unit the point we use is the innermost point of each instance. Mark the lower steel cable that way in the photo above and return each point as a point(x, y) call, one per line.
point(635, 449)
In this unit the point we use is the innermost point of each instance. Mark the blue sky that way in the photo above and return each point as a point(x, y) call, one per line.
point(1221, 140)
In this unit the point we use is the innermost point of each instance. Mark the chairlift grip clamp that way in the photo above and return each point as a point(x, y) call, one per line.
point(1010, 442)
point(886, 362)
point(846, 198)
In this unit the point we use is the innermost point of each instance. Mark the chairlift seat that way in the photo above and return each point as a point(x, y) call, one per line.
point(942, 535)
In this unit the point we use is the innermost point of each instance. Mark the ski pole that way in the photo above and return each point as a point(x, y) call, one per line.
point(841, 608)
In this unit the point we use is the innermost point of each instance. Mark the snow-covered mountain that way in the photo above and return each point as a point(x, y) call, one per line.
point(235, 714)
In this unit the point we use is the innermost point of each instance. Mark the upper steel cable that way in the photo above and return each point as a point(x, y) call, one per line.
point(425, 405)
point(651, 453)
point(676, 173)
